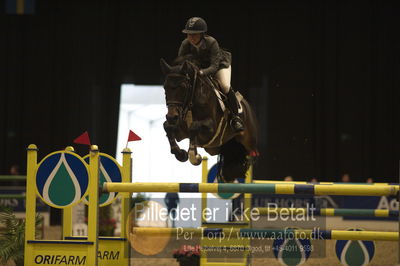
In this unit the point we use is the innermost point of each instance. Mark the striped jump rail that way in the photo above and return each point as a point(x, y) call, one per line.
point(288, 189)
point(267, 234)
point(320, 183)
point(328, 212)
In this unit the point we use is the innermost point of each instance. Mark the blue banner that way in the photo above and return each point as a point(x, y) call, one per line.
point(18, 205)
point(20, 7)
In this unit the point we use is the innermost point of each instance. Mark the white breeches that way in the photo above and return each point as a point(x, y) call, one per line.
point(224, 77)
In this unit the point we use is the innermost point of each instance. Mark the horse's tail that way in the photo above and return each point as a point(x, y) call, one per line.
point(232, 161)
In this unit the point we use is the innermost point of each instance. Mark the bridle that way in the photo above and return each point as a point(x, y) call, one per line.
point(186, 105)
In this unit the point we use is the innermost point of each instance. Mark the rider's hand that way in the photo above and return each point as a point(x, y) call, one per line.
point(201, 73)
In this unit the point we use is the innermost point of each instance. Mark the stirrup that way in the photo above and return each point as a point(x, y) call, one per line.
point(237, 123)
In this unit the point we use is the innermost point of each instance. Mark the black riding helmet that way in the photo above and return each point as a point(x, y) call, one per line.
point(195, 25)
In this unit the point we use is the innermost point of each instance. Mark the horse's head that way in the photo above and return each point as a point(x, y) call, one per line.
point(177, 86)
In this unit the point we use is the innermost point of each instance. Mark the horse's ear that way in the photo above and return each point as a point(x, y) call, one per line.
point(165, 68)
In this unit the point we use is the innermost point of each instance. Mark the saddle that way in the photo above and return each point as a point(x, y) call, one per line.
point(222, 97)
point(217, 139)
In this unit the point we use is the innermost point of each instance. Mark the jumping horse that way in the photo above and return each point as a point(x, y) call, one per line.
point(196, 110)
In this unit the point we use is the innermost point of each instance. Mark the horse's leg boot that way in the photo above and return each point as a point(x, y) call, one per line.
point(236, 122)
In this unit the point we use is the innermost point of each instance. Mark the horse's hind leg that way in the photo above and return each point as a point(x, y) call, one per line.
point(180, 154)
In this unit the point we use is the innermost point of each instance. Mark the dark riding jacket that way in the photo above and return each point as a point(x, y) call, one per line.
point(209, 57)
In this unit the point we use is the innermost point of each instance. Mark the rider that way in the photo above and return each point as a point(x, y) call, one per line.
point(212, 61)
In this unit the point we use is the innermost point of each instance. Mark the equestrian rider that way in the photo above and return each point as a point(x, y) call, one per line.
point(213, 61)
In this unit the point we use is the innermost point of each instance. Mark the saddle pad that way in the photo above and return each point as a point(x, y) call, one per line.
point(221, 96)
point(239, 98)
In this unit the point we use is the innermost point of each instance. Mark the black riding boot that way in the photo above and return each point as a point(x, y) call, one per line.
point(236, 122)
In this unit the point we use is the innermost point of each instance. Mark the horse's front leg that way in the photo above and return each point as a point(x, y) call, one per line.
point(194, 157)
point(196, 128)
point(180, 154)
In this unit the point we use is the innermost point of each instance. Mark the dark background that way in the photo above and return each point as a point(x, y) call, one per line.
point(322, 75)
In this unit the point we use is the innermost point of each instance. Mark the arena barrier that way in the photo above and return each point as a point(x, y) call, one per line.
point(12, 178)
point(87, 250)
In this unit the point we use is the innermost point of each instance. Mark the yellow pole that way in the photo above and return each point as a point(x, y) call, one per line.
point(204, 174)
point(356, 190)
point(93, 215)
point(247, 196)
point(67, 222)
point(247, 207)
point(30, 201)
point(364, 235)
point(126, 200)
point(20, 7)
point(126, 196)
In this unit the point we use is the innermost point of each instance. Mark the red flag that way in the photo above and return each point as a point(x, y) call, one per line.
point(132, 136)
point(83, 139)
point(254, 154)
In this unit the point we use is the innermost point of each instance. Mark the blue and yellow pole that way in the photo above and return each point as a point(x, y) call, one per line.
point(285, 189)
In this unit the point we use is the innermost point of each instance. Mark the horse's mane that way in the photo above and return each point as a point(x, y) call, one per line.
point(180, 60)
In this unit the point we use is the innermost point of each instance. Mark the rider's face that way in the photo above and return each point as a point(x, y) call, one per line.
point(194, 39)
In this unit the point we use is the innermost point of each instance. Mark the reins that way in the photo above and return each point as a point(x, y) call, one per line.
point(187, 103)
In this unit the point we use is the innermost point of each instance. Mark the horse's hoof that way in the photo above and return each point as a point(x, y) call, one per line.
point(196, 159)
point(181, 155)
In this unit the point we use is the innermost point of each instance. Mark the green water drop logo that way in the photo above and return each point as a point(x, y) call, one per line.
point(291, 253)
point(105, 198)
point(62, 187)
point(355, 254)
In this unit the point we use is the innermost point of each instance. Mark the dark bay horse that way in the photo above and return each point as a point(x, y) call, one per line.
point(195, 111)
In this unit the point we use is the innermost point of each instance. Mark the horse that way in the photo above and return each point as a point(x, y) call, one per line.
point(196, 111)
